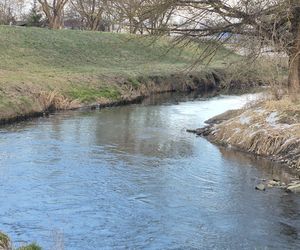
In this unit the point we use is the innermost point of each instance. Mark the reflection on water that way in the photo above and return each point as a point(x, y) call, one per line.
point(131, 177)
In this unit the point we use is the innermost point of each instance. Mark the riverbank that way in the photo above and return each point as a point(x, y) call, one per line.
point(6, 244)
point(268, 128)
point(122, 93)
point(45, 70)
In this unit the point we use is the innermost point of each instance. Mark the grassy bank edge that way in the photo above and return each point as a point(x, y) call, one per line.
point(270, 129)
point(6, 244)
point(121, 92)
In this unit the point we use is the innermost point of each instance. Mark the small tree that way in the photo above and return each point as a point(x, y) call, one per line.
point(11, 10)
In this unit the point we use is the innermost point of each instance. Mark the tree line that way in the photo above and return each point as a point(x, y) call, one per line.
point(133, 16)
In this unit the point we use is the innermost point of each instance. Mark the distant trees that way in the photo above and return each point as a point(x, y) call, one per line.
point(133, 16)
point(129, 13)
point(139, 17)
point(91, 12)
point(10, 10)
point(6, 12)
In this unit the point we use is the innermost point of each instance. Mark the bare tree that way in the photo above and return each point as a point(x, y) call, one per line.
point(293, 45)
point(274, 23)
point(11, 10)
point(91, 11)
point(156, 22)
point(54, 12)
point(127, 12)
point(139, 17)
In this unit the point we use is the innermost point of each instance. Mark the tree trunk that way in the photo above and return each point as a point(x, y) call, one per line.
point(294, 71)
point(55, 22)
point(54, 13)
point(294, 50)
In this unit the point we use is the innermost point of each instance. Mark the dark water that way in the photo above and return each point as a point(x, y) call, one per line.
point(132, 178)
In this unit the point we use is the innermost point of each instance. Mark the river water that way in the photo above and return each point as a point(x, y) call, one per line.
point(131, 178)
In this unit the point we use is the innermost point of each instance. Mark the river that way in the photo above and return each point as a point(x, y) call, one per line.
point(131, 178)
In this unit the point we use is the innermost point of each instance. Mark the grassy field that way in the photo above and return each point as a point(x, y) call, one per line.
point(82, 66)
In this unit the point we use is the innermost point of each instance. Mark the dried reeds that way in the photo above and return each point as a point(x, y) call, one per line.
point(53, 100)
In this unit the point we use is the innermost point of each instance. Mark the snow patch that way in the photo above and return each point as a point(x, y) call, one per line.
point(237, 130)
point(259, 111)
point(272, 119)
point(244, 120)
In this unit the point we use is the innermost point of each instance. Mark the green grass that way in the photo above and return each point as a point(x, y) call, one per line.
point(66, 52)
point(32, 246)
point(83, 65)
point(87, 95)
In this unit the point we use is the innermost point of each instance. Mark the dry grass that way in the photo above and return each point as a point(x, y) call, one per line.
point(270, 128)
point(5, 242)
point(54, 100)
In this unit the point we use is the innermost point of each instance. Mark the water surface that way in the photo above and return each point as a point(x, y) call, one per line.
point(132, 178)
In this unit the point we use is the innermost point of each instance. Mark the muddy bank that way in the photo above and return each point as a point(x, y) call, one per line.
point(34, 102)
point(269, 129)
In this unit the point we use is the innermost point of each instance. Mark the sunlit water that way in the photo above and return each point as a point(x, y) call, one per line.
point(131, 177)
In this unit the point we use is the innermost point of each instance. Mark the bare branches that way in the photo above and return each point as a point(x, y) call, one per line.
point(268, 23)
point(91, 12)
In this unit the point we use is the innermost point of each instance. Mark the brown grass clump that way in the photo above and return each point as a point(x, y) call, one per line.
point(270, 129)
point(53, 100)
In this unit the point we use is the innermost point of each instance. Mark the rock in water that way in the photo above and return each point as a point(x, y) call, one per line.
point(5, 243)
point(194, 131)
point(294, 188)
point(205, 131)
point(260, 187)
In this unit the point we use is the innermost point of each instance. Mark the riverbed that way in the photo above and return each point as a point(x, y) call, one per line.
point(131, 177)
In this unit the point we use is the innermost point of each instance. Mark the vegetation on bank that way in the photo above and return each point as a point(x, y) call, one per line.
point(269, 128)
point(31, 246)
point(6, 244)
point(85, 67)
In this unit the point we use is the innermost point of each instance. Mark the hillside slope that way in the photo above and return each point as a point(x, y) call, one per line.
point(40, 68)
